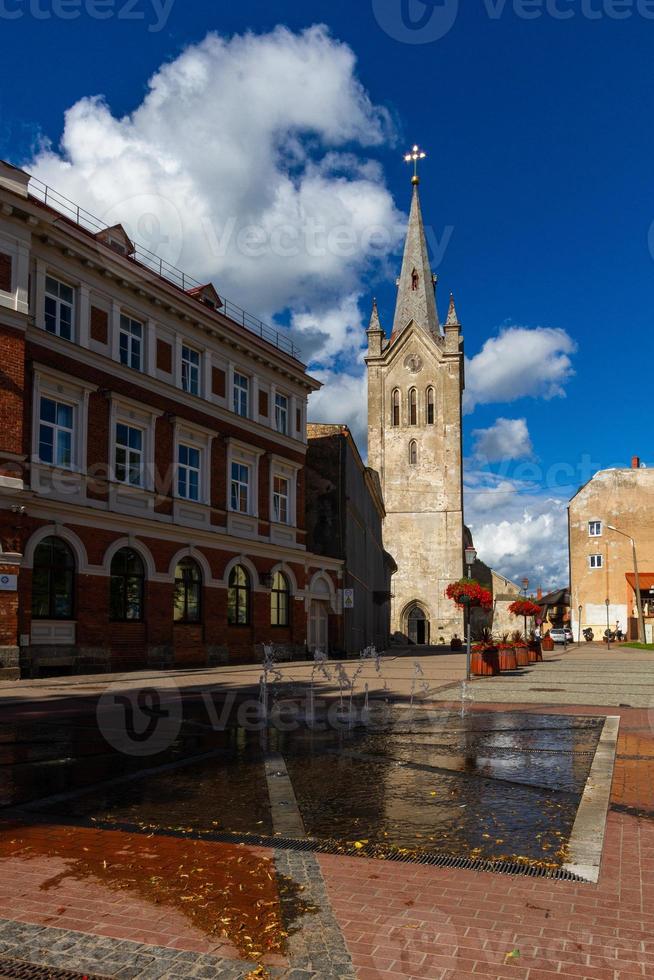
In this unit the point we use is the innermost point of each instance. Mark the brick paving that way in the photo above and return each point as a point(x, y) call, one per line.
point(376, 919)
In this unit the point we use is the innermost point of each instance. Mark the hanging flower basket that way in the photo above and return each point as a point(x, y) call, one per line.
point(524, 607)
point(468, 592)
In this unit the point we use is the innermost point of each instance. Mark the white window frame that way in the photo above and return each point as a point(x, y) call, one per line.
point(59, 305)
point(190, 371)
point(287, 470)
point(194, 437)
point(241, 452)
point(138, 416)
point(57, 430)
point(187, 469)
point(132, 454)
point(596, 561)
point(58, 387)
point(128, 332)
point(277, 497)
point(592, 525)
point(282, 413)
point(238, 391)
point(237, 470)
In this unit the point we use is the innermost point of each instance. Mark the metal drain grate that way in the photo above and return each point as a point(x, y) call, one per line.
point(377, 851)
point(20, 970)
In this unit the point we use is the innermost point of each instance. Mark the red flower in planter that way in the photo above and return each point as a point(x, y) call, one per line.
point(468, 592)
point(524, 607)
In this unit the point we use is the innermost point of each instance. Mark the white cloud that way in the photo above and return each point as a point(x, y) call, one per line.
point(334, 332)
point(519, 533)
point(342, 399)
point(520, 362)
point(506, 439)
point(245, 164)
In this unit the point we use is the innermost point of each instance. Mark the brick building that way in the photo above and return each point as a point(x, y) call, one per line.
point(345, 514)
point(605, 515)
point(152, 458)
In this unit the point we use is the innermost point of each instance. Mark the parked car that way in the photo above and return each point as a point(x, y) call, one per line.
point(561, 634)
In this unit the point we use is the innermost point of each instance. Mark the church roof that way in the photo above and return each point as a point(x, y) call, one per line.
point(416, 300)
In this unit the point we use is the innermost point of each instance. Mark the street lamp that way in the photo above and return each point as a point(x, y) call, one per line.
point(608, 625)
point(470, 559)
point(639, 598)
point(579, 627)
point(525, 586)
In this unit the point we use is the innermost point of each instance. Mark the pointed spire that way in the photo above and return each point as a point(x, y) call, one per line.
point(415, 296)
point(452, 318)
point(374, 319)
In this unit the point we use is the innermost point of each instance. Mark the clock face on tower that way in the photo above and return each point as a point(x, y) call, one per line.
point(413, 363)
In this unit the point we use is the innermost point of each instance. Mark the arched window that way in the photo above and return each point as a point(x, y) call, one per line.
point(413, 452)
point(280, 595)
point(53, 580)
point(430, 406)
point(127, 587)
point(413, 407)
point(188, 592)
point(396, 407)
point(238, 597)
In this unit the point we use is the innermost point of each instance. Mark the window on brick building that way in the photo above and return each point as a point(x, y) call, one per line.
point(127, 587)
point(129, 458)
point(430, 406)
point(396, 407)
point(188, 472)
point(56, 433)
point(59, 306)
point(281, 414)
point(130, 343)
point(281, 494)
point(280, 596)
point(413, 407)
point(190, 370)
point(241, 394)
point(240, 488)
point(595, 529)
point(53, 580)
point(188, 592)
point(596, 561)
point(413, 453)
point(238, 597)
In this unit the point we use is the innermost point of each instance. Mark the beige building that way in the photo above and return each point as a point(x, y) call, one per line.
point(614, 506)
point(415, 384)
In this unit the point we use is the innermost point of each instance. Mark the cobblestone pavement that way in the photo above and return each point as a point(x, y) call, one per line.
point(378, 920)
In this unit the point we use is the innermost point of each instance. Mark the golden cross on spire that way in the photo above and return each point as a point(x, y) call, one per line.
point(414, 157)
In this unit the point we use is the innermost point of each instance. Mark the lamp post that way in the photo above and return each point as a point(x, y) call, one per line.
point(639, 598)
point(608, 625)
point(579, 628)
point(470, 559)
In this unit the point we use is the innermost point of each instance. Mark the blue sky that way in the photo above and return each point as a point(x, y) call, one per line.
point(539, 135)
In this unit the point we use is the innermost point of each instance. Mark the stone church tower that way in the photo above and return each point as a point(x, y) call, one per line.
point(415, 384)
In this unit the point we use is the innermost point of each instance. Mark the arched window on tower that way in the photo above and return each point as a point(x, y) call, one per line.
point(430, 406)
point(413, 452)
point(396, 407)
point(413, 407)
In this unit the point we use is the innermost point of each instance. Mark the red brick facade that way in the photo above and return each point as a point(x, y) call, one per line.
point(59, 480)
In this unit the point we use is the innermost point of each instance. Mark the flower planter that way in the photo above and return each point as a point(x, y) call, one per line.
point(547, 643)
point(508, 660)
point(485, 663)
point(522, 655)
point(535, 655)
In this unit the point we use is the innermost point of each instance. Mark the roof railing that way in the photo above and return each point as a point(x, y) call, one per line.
point(160, 267)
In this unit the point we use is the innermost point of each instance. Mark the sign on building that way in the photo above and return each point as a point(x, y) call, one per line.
point(8, 583)
point(348, 598)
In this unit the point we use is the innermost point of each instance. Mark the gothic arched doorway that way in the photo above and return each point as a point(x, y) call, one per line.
point(417, 626)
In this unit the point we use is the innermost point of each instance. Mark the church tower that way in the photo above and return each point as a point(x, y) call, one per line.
point(415, 386)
